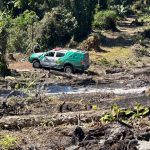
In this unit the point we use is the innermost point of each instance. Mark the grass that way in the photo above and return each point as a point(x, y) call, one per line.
point(111, 55)
point(7, 142)
point(145, 18)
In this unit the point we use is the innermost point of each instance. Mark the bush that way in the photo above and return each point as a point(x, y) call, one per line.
point(105, 20)
point(138, 6)
point(17, 40)
point(92, 42)
point(20, 39)
point(56, 28)
point(122, 10)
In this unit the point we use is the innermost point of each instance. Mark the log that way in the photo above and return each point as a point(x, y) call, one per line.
point(75, 77)
point(19, 122)
point(141, 71)
point(69, 76)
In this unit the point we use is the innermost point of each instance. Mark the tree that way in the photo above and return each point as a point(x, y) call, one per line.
point(56, 28)
point(3, 45)
point(83, 11)
point(21, 32)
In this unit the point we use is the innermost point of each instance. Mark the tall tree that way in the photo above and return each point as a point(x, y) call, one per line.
point(3, 44)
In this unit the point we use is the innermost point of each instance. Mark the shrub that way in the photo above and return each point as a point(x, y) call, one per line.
point(17, 40)
point(122, 10)
point(56, 28)
point(19, 36)
point(92, 42)
point(139, 6)
point(105, 20)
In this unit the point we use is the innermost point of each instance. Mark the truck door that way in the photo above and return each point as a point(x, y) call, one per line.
point(48, 60)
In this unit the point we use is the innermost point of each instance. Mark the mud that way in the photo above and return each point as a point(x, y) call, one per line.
point(63, 112)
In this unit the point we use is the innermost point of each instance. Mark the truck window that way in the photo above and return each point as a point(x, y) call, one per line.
point(58, 54)
point(50, 54)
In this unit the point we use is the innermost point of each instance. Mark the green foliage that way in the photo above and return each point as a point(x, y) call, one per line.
point(113, 115)
point(128, 112)
point(115, 109)
point(105, 20)
point(119, 2)
point(7, 142)
point(140, 111)
point(138, 5)
point(31, 21)
point(56, 28)
point(25, 19)
point(116, 113)
point(20, 39)
point(122, 10)
point(107, 118)
point(83, 11)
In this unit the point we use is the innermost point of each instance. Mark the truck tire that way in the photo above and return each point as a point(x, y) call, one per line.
point(36, 64)
point(68, 69)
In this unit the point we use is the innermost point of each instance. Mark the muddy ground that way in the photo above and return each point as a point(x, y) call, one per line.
point(51, 110)
point(41, 120)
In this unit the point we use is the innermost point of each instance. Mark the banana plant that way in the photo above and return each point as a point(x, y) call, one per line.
point(140, 111)
point(113, 115)
point(116, 110)
point(107, 118)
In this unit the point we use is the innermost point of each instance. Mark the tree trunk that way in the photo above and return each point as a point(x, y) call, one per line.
point(3, 44)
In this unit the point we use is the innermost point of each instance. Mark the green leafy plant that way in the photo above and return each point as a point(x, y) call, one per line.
point(140, 111)
point(113, 115)
point(107, 118)
point(128, 112)
point(115, 110)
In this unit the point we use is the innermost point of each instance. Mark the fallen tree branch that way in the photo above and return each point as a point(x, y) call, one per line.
point(18, 122)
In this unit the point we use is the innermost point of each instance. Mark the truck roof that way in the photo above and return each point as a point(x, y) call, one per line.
point(67, 50)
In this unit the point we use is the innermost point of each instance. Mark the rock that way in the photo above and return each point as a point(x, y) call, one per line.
point(78, 135)
point(144, 145)
point(144, 136)
point(147, 92)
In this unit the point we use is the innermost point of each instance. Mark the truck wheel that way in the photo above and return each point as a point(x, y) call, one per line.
point(68, 69)
point(36, 64)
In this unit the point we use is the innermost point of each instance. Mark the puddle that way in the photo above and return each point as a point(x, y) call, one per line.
point(61, 89)
point(58, 89)
point(9, 93)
